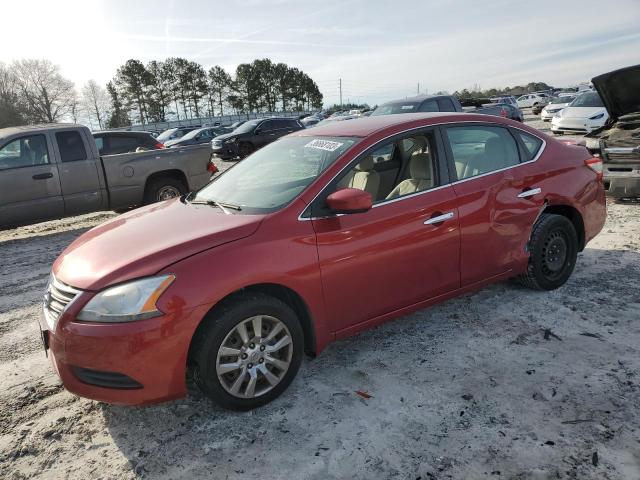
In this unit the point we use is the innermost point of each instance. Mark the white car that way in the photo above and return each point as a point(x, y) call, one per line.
point(531, 99)
point(554, 106)
point(585, 114)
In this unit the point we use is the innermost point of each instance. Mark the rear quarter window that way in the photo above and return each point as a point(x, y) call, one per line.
point(532, 144)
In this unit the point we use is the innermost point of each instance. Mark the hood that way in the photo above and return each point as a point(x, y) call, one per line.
point(581, 112)
point(144, 241)
point(225, 136)
point(619, 90)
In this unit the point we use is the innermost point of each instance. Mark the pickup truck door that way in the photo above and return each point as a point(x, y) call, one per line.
point(79, 176)
point(29, 182)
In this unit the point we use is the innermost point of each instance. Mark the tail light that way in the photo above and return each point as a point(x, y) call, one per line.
point(595, 164)
point(212, 168)
point(503, 113)
point(159, 145)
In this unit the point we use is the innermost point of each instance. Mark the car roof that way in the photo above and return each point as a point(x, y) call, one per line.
point(121, 132)
point(9, 131)
point(365, 126)
point(418, 98)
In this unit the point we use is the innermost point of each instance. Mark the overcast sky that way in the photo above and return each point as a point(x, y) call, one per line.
point(380, 49)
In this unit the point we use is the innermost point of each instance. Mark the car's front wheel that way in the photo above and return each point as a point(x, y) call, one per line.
point(247, 352)
point(553, 249)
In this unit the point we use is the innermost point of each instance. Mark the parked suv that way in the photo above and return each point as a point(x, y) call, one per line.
point(532, 99)
point(252, 135)
point(116, 143)
point(423, 103)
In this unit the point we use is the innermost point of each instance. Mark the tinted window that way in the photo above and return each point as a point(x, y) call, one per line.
point(268, 126)
point(71, 146)
point(404, 107)
point(446, 105)
point(24, 152)
point(429, 106)
point(480, 149)
point(531, 143)
point(122, 144)
point(292, 124)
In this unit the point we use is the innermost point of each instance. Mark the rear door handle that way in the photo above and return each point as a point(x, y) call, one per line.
point(530, 192)
point(42, 176)
point(439, 218)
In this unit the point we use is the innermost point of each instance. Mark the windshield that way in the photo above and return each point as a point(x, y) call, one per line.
point(273, 176)
point(192, 134)
point(562, 100)
point(167, 134)
point(247, 127)
point(591, 99)
point(403, 107)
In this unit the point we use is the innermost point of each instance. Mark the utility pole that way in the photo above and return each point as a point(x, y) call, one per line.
point(418, 88)
point(341, 93)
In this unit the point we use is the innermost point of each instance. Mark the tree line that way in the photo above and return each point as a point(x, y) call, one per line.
point(34, 91)
point(477, 92)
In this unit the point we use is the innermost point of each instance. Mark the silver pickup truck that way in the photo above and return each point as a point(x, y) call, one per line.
point(53, 171)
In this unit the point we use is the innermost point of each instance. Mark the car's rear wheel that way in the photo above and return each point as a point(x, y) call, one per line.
point(163, 188)
point(247, 352)
point(553, 250)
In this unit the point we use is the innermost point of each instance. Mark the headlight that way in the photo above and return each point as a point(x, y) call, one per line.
point(231, 140)
point(598, 116)
point(127, 302)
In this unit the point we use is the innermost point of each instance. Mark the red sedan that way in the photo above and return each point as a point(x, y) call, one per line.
point(318, 236)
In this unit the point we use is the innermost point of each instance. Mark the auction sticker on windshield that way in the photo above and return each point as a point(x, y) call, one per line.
point(327, 145)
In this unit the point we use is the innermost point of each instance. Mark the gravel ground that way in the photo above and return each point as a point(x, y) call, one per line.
point(503, 383)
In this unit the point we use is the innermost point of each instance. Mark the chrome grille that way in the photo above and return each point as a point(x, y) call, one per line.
point(57, 297)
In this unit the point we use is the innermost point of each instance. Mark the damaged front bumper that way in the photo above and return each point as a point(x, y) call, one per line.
point(621, 171)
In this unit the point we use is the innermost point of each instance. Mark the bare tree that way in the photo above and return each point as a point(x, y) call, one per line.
point(95, 103)
point(47, 95)
point(11, 109)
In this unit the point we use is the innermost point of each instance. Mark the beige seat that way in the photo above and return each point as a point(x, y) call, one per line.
point(363, 177)
point(493, 158)
point(421, 171)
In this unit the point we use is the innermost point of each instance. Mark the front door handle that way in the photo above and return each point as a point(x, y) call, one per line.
point(530, 192)
point(439, 218)
point(42, 176)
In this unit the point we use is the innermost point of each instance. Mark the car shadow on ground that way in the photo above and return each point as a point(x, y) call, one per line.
point(483, 381)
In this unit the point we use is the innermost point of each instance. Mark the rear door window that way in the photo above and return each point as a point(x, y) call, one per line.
point(71, 146)
point(122, 144)
point(446, 105)
point(481, 149)
point(429, 106)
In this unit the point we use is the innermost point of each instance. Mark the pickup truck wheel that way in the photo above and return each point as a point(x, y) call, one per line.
point(163, 188)
point(245, 149)
point(553, 251)
point(248, 352)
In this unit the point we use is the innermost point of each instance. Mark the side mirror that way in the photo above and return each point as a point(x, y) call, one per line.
point(350, 200)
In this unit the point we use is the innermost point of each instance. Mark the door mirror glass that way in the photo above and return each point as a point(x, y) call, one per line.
point(350, 200)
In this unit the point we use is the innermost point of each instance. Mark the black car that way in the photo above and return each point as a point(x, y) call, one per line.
point(197, 137)
point(252, 135)
point(424, 103)
point(176, 133)
point(114, 143)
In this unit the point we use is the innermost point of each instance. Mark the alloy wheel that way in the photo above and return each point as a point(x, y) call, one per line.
point(254, 356)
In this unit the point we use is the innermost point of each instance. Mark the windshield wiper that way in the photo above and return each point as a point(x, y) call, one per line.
point(222, 206)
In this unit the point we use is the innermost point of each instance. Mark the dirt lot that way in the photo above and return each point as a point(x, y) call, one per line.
point(473, 388)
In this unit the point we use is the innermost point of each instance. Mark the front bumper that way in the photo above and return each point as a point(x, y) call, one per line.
point(225, 151)
point(574, 125)
point(132, 363)
point(546, 116)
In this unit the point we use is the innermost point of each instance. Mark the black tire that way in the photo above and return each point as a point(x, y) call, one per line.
point(218, 325)
point(156, 190)
point(553, 249)
point(245, 149)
